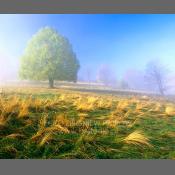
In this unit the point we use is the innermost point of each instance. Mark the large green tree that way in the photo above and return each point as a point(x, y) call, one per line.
point(49, 56)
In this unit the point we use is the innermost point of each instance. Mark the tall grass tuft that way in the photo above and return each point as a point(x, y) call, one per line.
point(47, 137)
point(137, 138)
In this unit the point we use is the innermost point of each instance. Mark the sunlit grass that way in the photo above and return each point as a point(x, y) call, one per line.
point(170, 109)
point(137, 138)
point(43, 123)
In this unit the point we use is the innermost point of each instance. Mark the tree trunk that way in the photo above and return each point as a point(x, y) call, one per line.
point(51, 82)
point(161, 90)
point(160, 85)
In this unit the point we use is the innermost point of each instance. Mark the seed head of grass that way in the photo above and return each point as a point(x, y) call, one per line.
point(47, 137)
point(42, 122)
point(58, 128)
point(24, 110)
point(37, 135)
point(15, 135)
point(137, 138)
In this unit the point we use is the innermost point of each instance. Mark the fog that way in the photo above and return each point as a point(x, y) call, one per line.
point(8, 68)
point(105, 58)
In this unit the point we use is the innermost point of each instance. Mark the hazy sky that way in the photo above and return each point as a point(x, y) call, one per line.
point(121, 41)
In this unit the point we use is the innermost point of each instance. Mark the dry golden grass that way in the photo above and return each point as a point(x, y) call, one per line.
point(3, 120)
point(122, 104)
point(42, 122)
point(63, 97)
point(112, 123)
point(89, 103)
point(61, 120)
point(82, 104)
point(69, 120)
point(92, 100)
point(24, 108)
point(46, 138)
point(133, 123)
point(57, 128)
point(60, 124)
point(170, 110)
point(41, 128)
point(140, 106)
point(158, 107)
point(37, 103)
point(15, 135)
point(85, 137)
point(36, 136)
point(113, 120)
point(137, 138)
point(170, 134)
point(82, 117)
point(104, 103)
point(10, 105)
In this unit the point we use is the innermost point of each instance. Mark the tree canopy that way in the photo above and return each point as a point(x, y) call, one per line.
point(49, 56)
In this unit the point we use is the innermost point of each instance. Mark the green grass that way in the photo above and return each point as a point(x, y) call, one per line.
point(91, 135)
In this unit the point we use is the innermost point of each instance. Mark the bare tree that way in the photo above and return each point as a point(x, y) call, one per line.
point(156, 75)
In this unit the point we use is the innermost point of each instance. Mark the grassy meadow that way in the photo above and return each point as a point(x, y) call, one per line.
point(46, 123)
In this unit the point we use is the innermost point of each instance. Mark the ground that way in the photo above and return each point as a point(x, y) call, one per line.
point(68, 124)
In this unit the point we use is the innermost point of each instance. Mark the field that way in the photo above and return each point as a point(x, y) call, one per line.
point(46, 123)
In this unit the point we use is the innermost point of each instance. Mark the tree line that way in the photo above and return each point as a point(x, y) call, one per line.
point(155, 77)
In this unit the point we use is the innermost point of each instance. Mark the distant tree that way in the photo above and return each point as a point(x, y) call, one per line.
point(156, 75)
point(135, 79)
point(49, 56)
point(123, 84)
point(105, 75)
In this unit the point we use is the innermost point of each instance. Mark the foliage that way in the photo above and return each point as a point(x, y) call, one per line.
point(49, 56)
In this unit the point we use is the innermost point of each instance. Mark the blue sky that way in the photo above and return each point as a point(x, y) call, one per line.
point(121, 41)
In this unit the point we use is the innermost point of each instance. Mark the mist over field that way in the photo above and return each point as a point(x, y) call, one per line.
point(87, 86)
point(115, 56)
